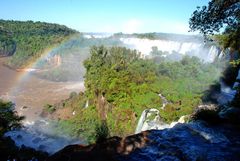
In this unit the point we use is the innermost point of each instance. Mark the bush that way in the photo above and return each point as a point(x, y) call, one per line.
point(72, 95)
point(49, 108)
point(8, 117)
point(102, 131)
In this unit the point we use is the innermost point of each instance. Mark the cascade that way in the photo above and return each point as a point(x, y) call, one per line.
point(228, 93)
point(145, 123)
point(86, 105)
point(198, 49)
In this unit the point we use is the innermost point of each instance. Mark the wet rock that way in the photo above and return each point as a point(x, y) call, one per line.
point(208, 113)
point(42, 147)
point(230, 114)
point(19, 136)
point(196, 141)
point(24, 108)
point(107, 150)
point(44, 114)
point(192, 141)
point(36, 140)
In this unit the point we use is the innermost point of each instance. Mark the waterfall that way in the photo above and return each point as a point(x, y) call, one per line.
point(145, 123)
point(213, 53)
point(141, 121)
point(86, 105)
point(228, 93)
point(164, 100)
point(194, 48)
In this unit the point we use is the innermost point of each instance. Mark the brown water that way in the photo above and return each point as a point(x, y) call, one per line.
point(32, 91)
point(7, 77)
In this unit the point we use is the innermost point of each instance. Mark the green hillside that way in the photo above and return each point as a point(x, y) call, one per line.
point(27, 40)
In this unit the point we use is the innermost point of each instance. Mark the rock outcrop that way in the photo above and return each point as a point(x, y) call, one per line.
point(193, 141)
point(107, 150)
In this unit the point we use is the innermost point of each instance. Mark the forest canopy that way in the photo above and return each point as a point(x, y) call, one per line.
point(26, 40)
point(216, 17)
point(120, 85)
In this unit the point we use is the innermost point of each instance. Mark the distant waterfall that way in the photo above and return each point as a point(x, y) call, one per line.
point(213, 53)
point(198, 49)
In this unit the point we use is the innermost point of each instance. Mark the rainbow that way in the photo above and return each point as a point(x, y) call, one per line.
point(21, 75)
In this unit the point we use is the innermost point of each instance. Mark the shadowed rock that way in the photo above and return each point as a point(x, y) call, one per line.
point(192, 141)
point(107, 150)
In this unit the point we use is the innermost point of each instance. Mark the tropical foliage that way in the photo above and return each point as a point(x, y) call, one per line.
point(120, 85)
point(27, 40)
point(211, 19)
point(8, 117)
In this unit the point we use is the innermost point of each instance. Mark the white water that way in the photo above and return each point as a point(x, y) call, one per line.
point(228, 93)
point(145, 124)
point(97, 35)
point(164, 101)
point(191, 48)
point(86, 105)
point(41, 136)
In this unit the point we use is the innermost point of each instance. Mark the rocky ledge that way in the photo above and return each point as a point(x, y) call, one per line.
point(192, 141)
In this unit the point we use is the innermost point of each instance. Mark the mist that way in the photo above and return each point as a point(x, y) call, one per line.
point(63, 68)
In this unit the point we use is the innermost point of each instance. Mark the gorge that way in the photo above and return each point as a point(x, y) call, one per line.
point(158, 78)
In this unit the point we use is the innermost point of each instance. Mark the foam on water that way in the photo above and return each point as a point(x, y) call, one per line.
point(40, 135)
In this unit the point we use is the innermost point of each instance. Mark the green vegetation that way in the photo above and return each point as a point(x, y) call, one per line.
point(7, 44)
point(120, 85)
point(72, 53)
point(8, 117)
point(49, 108)
point(160, 36)
point(102, 131)
point(30, 39)
point(209, 20)
point(9, 120)
point(216, 17)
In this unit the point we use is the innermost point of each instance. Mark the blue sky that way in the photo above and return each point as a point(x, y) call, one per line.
point(126, 16)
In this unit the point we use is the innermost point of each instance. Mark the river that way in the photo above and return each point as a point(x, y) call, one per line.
point(25, 89)
point(33, 92)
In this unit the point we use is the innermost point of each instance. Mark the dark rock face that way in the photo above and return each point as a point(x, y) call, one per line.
point(193, 141)
point(107, 150)
point(9, 151)
point(207, 112)
point(230, 114)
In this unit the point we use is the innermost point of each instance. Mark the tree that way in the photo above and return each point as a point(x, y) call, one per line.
point(218, 15)
point(8, 117)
